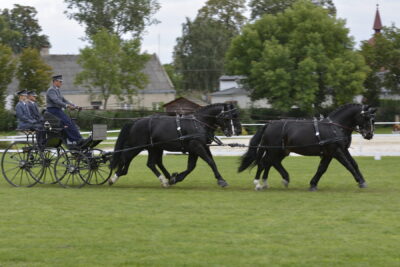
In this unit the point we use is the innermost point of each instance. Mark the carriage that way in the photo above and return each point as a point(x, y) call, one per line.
point(29, 162)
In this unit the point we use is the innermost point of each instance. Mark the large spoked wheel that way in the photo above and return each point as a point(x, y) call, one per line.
point(49, 157)
point(100, 169)
point(21, 164)
point(72, 169)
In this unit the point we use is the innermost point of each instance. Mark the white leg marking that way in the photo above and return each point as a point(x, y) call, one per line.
point(113, 180)
point(265, 184)
point(258, 185)
point(163, 180)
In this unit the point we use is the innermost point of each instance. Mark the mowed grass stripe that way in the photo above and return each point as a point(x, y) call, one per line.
point(196, 223)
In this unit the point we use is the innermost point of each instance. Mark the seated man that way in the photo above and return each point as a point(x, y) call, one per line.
point(55, 103)
point(25, 119)
point(33, 107)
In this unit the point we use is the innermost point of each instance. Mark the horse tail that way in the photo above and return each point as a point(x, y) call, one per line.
point(253, 154)
point(119, 145)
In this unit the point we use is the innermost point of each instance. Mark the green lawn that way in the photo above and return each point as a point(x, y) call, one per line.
point(196, 223)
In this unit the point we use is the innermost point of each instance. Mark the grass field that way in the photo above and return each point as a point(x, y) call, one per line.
point(196, 223)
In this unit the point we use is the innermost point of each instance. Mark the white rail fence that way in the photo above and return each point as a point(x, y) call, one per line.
point(380, 145)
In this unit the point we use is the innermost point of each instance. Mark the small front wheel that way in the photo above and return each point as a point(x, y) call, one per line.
point(100, 169)
point(72, 169)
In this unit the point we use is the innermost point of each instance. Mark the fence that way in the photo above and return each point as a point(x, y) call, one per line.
point(380, 145)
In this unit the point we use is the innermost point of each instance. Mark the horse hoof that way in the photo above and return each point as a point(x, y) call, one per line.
point(313, 189)
point(285, 183)
point(259, 188)
point(172, 181)
point(363, 185)
point(222, 183)
point(110, 182)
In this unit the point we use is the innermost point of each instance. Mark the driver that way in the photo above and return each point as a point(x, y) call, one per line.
point(55, 102)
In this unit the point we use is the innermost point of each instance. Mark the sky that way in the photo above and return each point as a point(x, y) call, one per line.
point(66, 35)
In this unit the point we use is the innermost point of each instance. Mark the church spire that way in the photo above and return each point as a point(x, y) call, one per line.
point(377, 23)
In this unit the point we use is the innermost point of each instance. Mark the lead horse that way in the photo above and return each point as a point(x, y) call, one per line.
point(185, 133)
point(328, 138)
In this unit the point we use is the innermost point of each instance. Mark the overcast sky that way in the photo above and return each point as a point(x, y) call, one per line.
point(65, 34)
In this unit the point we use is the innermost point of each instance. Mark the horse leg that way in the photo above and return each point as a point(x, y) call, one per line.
point(346, 161)
point(151, 164)
point(260, 186)
point(192, 160)
point(282, 171)
point(256, 180)
point(158, 155)
point(205, 153)
point(323, 166)
point(361, 183)
point(126, 158)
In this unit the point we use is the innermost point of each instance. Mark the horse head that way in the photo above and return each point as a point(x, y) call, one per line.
point(228, 120)
point(365, 120)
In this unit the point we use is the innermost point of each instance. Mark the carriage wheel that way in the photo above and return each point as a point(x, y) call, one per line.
point(100, 169)
point(49, 157)
point(21, 164)
point(72, 169)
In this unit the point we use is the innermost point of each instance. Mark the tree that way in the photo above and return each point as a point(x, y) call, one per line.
point(32, 72)
point(176, 77)
point(199, 53)
point(298, 57)
point(112, 66)
point(7, 67)
point(382, 55)
point(117, 16)
point(21, 19)
point(7, 36)
point(261, 7)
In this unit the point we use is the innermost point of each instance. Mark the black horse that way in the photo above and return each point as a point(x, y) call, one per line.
point(186, 133)
point(328, 138)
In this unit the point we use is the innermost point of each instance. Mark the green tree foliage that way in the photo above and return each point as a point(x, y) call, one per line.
point(117, 16)
point(260, 7)
point(382, 54)
point(112, 66)
point(7, 36)
point(199, 53)
point(21, 19)
point(32, 72)
point(176, 77)
point(7, 68)
point(298, 57)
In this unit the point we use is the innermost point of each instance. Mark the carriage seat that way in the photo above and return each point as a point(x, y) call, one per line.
point(55, 123)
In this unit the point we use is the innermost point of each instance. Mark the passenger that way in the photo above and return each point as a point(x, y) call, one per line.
point(24, 117)
point(35, 114)
point(33, 107)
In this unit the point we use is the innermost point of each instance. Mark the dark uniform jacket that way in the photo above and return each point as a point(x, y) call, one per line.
point(54, 99)
point(25, 120)
point(34, 111)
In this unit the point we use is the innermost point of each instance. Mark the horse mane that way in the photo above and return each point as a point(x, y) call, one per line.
point(341, 108)
point(205, 108)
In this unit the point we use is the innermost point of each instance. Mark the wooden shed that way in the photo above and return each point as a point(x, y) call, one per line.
point(183, 105)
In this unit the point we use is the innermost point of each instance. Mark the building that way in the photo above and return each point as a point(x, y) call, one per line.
point(183, 105)
point(158, 91)
point(231, 90)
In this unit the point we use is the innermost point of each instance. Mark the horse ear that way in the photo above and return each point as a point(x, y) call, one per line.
point(372, 110)
point(366, 107)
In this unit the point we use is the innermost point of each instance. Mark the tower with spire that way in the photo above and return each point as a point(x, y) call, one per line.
point(377, 25)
